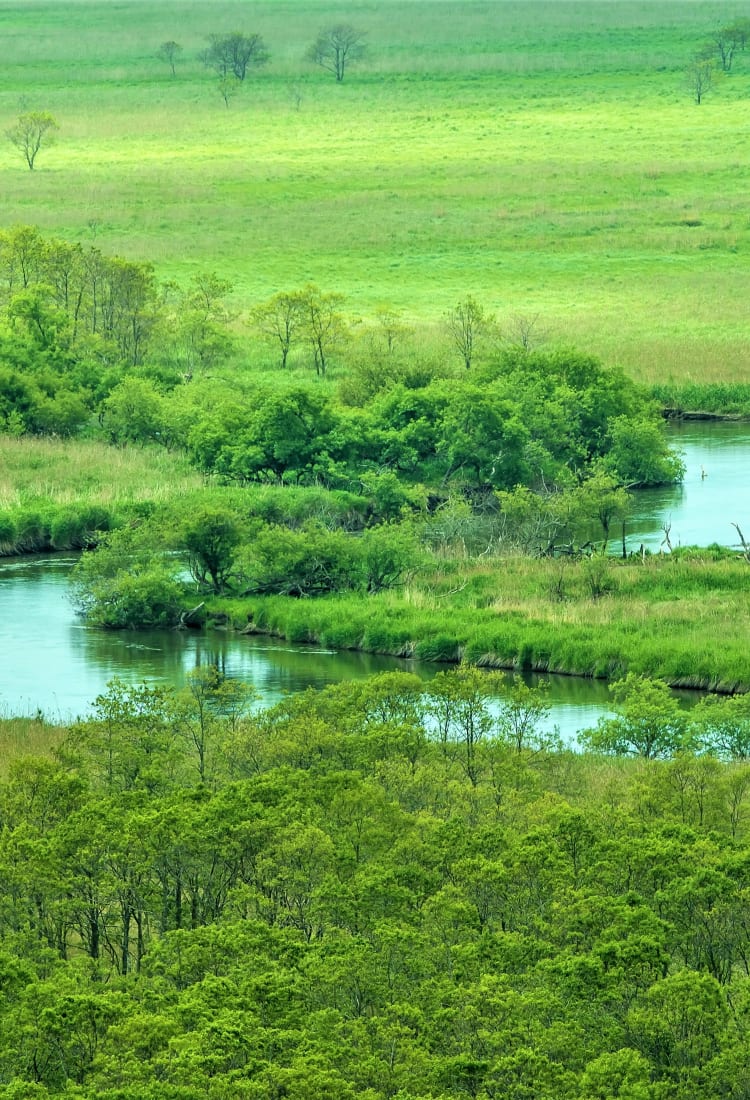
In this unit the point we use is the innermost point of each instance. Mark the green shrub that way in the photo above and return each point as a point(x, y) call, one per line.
point(79, 529)
point(8, 533)
point(147, 600)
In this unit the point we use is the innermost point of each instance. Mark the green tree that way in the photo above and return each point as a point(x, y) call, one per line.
point(282, 320)
point(127, 583)
point(639, 455)
point(466, 323)
point(209, 710)
point(729, 40)
point(722, 725)
point(134, 412)
point(32, 130)
point(483, 434)
point(522, 710)
point(211, 536)
point(323, 325)
point(650, 722)
point(700, 77)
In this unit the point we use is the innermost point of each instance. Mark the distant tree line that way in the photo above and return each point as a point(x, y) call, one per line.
point(232, 56)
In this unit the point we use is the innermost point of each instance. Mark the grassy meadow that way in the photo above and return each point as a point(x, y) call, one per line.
point(546, 158)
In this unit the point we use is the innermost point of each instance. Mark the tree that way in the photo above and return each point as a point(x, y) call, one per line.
point(727, 41)
point(324, 324)
point(281, 318)
point(639, 454)
point(31, 131)
point(194, 331)
point(211, 537)
point(650, 722)
point(228, 88)
point(466, 322)
point(169, 52)
point(723, 725)
point(233, 54)
point(601, 498)
point(337, 46)
point(522, 712)
point(700, 77)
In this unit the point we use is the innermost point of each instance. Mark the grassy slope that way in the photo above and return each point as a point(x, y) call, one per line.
point(544, 157)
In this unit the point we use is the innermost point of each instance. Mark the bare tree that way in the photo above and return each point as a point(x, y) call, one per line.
point(169, 52)
point(524, 331)
point(337, 46)
point(282, 319)
point(700, 76)
point(233, 54)
point(228, 87)
point(32, 130)
point(466, 322)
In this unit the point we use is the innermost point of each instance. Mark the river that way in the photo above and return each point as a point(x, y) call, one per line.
point(53, 663)
point(714, 494)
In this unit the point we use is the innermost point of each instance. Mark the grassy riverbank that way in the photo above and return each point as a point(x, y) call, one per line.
point(548, 159)
point(55, 493)
point(23, 736)
point(684, 618)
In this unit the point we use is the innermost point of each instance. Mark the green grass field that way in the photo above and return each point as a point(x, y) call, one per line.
point(546, 158)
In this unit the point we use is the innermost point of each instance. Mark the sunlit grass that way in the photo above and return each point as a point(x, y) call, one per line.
point(36, 471)
point(27, 736)
point(542, 157)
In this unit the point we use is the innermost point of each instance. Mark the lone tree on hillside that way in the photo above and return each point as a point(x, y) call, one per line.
point(32, 130)
point(700, 76)
point(169, 52)
point(335, 47)
point(233, 54)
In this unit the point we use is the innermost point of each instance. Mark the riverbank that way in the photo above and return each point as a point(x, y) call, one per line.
point(684, 618)
point(60, 494)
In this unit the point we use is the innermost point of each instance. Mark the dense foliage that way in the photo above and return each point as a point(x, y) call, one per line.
point(379, 890)
point(89, 340)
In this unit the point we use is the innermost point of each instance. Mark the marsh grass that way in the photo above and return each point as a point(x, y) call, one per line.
point(27, 736)
point(35, 472)
point(661, 618)
point(543, 157)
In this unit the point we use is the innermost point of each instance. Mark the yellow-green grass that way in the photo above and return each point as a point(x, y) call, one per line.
point(27, 737)
point(663, 618)
point(543, 157)
point(51, 471)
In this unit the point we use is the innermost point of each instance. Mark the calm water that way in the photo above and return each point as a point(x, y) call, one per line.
point(52, 662)
point(714, 493)
point(55, 663)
